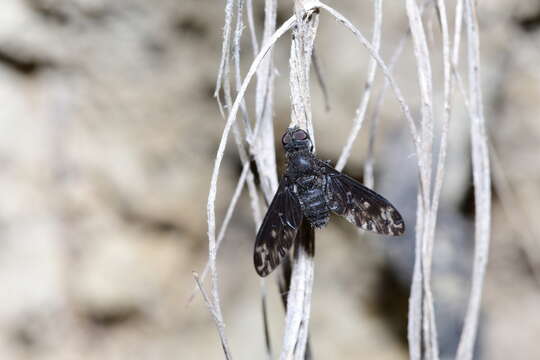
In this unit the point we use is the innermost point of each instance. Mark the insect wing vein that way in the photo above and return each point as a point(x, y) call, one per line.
point(360, 205)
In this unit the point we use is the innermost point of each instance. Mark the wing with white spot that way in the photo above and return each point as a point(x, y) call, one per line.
point(278, 230)
point(360, 205)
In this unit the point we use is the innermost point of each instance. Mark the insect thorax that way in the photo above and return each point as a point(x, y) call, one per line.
point(309, 187)
point(300, 163)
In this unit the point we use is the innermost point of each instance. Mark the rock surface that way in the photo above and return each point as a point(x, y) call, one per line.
point(108, 131)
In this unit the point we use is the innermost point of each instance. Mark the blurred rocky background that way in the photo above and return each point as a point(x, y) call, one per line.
point(108, 131)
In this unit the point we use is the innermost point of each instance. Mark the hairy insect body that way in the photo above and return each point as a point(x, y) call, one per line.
point(310, 190)
point(314, 206)
point(310, 187)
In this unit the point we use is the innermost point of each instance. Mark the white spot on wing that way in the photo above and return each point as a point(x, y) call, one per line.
point(263, 252)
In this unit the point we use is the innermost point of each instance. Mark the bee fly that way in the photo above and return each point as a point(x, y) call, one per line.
point(310, 191)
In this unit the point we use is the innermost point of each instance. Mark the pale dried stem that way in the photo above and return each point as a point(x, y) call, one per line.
point(214, 310)
point(415, 300)
point(372, 70)
point(448, 90)
point(212, 247)
point(225, 49)
point(370, 158)
point(295, 312)
point(262, 142)
point(458, 22)
point(320, 80)
point(251, 26)
point(296, 330)
point(236, 58)
point(369, 164)
point(393, 84)
point(369, 180)
point(228, 216)
point(423, 150)
point(308, 278)
point(441, 161)
point(482, 186)
point(266, 327)
point(224, 84)
point(222, 79)
point(424, 238)
point(253, 195)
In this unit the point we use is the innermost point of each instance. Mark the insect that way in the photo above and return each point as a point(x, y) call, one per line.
point(310, 190)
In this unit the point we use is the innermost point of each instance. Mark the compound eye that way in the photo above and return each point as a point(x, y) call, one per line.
point(300, 135)
point(286, 139)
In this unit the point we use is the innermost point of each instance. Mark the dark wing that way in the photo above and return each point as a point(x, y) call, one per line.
point(361, 206)
point(277, 231)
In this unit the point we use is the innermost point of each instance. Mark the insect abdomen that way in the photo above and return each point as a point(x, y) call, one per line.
point(314, 207)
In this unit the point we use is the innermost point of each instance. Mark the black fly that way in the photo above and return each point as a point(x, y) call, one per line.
point(310, 190)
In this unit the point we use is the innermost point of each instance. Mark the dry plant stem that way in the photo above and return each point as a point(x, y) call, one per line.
point(372, 70)
point(212, 248)
point(397, 91)
point(223, 79)
point(468, 336)
point(425, 238)
point(441, 161)
point(234, 108)
point(303, 334)
point(426, 93)
point(448, 90)
point(299, 297)
point(262, 145)
point(226, 221)
point(415, 311)
point(236, 57)
point(293, 319)
point(266, 328)
point(232, 117)
point(416, 290)
point(251, 25)
point(224, 83)
point(217, 319)
point(369, 179)
point(228, 98)
point(370, 159)
point(300, 64)
point(458, 22)
point(253, 195)
point(429, 333)
point(320, 80)
point(224, 52)
point(482, 186)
